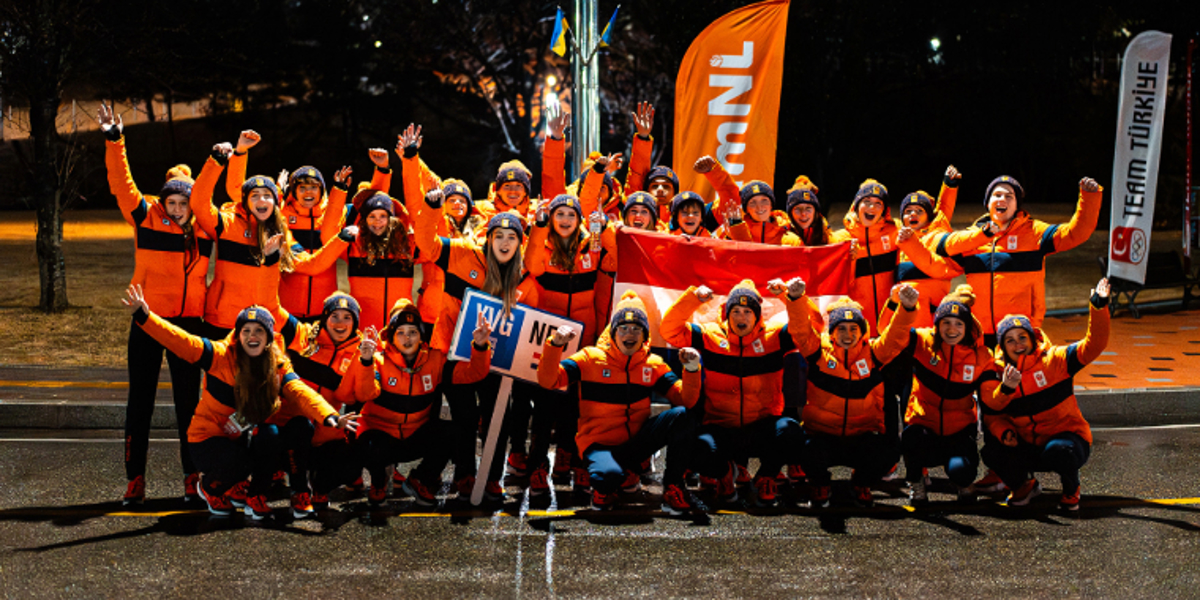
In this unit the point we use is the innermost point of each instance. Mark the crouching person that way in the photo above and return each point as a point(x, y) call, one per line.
point(616, 379)
point(400, 420)
point(844, 415)
point(1033, 419)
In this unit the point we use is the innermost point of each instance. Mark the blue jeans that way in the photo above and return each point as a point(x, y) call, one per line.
point(674, 428)
point(1064, 454)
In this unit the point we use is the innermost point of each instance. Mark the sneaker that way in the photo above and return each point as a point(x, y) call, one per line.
point(677, 500)
point(917, 493)
point(397, 478)
point(279, 478)
point(819, 496)
point(356, 487)
point(990, 484)
point(420, 494)
point(925, 477)
point(602, 501)
point(302, 505)
point(189, 487)
point(691, 479)
point(1070, 500)
point(256, 507)
point(764, 491)
point(494, 492)
point(518, 464)
point(320, 502)
point(218, 505)
point(727, 486)
point(632, 483)
point(377, 495)
point(135, 492)
point(645, 467)
point(795, 474)
point(583, 481)
point(539, 481)
point(743, 476)
point(891, 474)
point(708, 483)
point(464, 486)
point(862, 496)
point(562, 466)
point(237, 494)
point(1022, 495)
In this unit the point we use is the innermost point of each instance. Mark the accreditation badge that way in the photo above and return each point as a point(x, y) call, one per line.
point(427, 382)
point(863, 368)
point(969, 373)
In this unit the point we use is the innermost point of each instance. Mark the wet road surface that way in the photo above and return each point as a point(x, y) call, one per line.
point(63, 535)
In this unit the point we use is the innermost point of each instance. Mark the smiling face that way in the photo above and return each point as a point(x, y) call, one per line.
point(661, 189)
point(952, 330)
point(1002, 204)
point(630, 338)
point(640, 217)
point(804, 214)
point(308, 193)
point(253, 338)
point(565, 221)
point(456, 206)
point(504, 244)
point(915, 216)
point(513, 193)
point(177, 208)
point(340, 325)
point(262, 203)
point(758, 208)
point(870, 210)
point(377, 221)
point(846, 335)
point(742, 320)
point(1017, 343)
point(691, 216)
point(407, 340)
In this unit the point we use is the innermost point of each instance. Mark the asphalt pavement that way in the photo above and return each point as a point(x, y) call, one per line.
point(62, 534)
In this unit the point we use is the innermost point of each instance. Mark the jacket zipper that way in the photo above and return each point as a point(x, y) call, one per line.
point(628, 396)
point(312, 224)
point(871, 272)
point(741, 382)
point(992, 286)
point(942, 405)
point(846, 400)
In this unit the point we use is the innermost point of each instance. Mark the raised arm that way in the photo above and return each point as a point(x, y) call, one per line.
point(237, 164)
point(192, 348)
point(120, 179)
point(553, 372)
point(923, 258)
point(536, 256)
point(683, 391)
point(643, 148)
point(948, 196)
point(310, 403)
point(1083, 222)
point(481, 355)
point(335, 209)
point(1083, 352)
point(727, 191)
point(554, 155)
point(675, 328)
point(895, 339)
point(208, 218)
point(426, 226)
point(325, 256)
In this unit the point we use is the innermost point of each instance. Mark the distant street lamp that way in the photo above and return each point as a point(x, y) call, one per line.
point(934, 44)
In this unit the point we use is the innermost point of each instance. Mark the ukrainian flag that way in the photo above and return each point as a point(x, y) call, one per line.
point(558, 41)
point(604, 37)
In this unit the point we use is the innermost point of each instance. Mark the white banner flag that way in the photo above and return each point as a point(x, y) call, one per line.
point(1135, 159)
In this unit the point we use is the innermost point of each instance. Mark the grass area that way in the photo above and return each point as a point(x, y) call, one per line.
point(99, 257)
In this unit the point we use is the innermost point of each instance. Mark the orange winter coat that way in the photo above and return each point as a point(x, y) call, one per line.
point(377, 284)
point(775, 231)
point(332, 370)
point(945, 381)
point(404, 397)
point(875, 265)
point(172, 274)
point(744, 381)
point(931, 275)
point(465, 267)
point(1044, 403)
point(243, 278)
point(217, 402)
point(614, 389)
point(1008, 271)
point(845, 386)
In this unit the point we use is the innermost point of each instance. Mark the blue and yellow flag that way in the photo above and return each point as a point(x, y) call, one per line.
point(604, 37)
point(558, 41)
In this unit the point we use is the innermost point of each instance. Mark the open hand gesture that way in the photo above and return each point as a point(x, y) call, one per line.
point(273, 244)
point(410, 137)
point(1102, 288)
point(904, 235)
point(611, 163)
point(348, 422)
point(134, 299)
point(109, 119)
point(556, 121)
point(643, 118)
point(342, 175)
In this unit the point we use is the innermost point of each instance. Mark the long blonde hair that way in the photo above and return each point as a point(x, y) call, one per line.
point(501, 280)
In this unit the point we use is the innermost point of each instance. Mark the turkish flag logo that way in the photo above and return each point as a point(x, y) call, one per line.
point(1129, 245)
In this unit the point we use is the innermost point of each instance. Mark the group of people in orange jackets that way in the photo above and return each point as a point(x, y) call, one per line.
point(313, 384)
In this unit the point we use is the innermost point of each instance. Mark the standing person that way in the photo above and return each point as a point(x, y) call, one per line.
point(1032, 419)
point(400, 422)
point(248, 378)
point(950, 365)
point(929, 222)
point(325, 354)
point(380, 263)
point(844, 416)
point(496, 269)
point(870, 226)
point(171, 263)
point(254, 245)
point(687, 215)
point(805, 219)
point(743, 391)
point(1004, 252)
point(616, 431)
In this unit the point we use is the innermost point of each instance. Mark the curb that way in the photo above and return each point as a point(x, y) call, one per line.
point(1119, 408)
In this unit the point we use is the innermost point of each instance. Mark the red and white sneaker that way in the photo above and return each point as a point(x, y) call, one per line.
point(765, 491)
point(377, 495)
point(1070, 500)
point(517, 464)
point(562, 467)
point(135, 492)
point(990, 484)
point(632, 483)
point(302, 505)
point(256, 507)
point(494, 492)
point(189, 487)
point(743, 476)
point(357, 487)
point(218, 504)
point(397, 479)
point(420, 494)
point(539, 481)
point(602, 501)
point(819, 496)
point(677, 500)
point(237, 494)
point(727, 486)
point(1022, 495)
point(862, 496)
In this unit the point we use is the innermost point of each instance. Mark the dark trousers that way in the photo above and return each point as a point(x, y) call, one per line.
point(534, 411)
point(958, 453)
point(145, 357)
point(1064, 454)
point(871, 455)
point(897, 387)
point(430, 443)
point(776, 441)
point(674, 428)
point(297, 444)
point(334, 464)
point(225, 462)
point(471, 419)
point(795, 384)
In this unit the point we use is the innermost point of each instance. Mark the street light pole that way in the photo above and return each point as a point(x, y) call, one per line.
point(586, 105)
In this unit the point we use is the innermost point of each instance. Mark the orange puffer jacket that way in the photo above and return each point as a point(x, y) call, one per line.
point(332, 370)
point(1044, 403)
point(171, 272)
point(845, 386)
point(405, 396)
point(614, 389)
point(776, 231)
point(945, 381)
point(744, 381)
point(875, 265)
